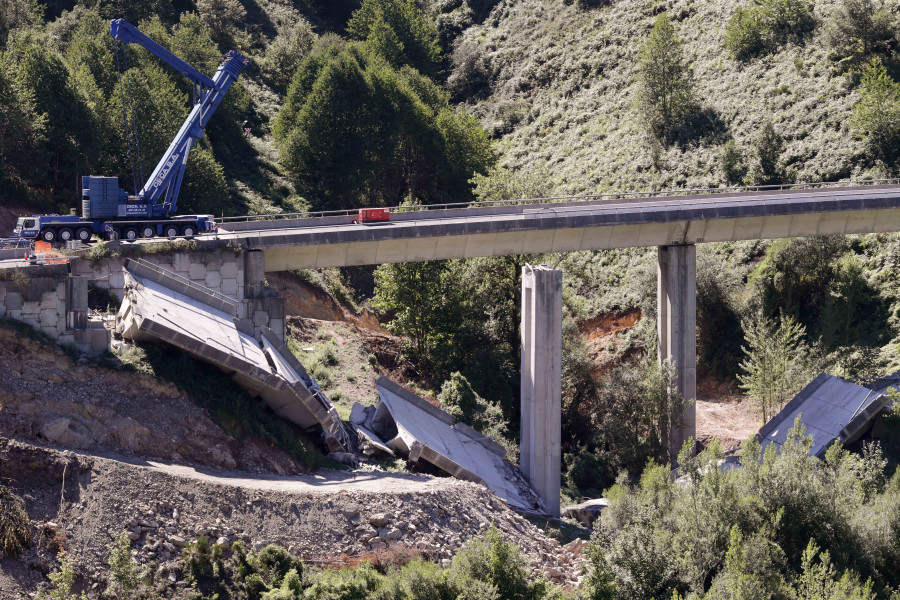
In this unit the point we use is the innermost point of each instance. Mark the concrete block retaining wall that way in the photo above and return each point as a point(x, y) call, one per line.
point(54, 303)
point(40, 296)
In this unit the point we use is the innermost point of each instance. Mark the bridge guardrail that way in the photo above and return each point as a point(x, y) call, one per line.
point(712, 201)
point(609, 197)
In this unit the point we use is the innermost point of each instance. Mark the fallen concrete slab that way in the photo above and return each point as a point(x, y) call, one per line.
point(159, 305)
point(831, 409)
point(586, 512)
point(413, 427)
point(885, 385)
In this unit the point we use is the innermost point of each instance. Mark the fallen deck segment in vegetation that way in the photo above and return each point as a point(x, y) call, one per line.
point(830, 409)
point(162, 306)
point(413, 427)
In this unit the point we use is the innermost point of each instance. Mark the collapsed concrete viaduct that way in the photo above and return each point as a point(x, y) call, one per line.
point(672, 223)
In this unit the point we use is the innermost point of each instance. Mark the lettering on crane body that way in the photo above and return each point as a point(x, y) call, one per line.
point(166, 168)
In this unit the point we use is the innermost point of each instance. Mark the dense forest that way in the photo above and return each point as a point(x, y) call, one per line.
point(389, 102)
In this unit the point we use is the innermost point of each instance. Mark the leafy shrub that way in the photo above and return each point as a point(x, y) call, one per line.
point(286, 52)
point(291, 587)
point(222, 18)
point(361, 583)
point(15, 528)
point(859, 29)
point(459, 399)
point(496, 563)
point(732, 161)
point(820, 282)
point(718, 314)
point(123, 572)
point(774, 369)
point(765, 25)
point(203, 562)
point(63, 579)
point(753, 532)
point(876, 117)
point(767, 149)
point(414, 142)
point(621, 427)
point(275, 564)
point(471, 75)
point(745, 34)
point(412, 34)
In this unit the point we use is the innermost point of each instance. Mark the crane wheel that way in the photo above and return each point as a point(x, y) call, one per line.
point(171, 231)
point(148, 231)
point(48, 235)
point(66, 235)
point(83, 234)
point(130, 234)
point(189, 231)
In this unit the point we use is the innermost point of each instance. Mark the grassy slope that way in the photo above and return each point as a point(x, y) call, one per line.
point(570, 73)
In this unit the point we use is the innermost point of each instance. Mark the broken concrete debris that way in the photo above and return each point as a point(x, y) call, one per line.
point(405, 423)
point(160, 305)
point(586, 512)
point(831, 409)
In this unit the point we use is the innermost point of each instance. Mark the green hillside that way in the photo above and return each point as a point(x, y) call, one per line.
point(562, 84)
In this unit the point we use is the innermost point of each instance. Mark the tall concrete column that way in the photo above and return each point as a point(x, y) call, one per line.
point(542, 381)
point(677, 302)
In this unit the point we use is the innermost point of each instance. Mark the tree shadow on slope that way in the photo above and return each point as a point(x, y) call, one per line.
point(703, 125)
point(230, 406)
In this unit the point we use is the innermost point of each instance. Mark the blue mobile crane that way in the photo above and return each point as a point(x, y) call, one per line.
point(109, 211)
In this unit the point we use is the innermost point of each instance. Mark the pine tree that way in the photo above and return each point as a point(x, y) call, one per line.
point(666, 94)
point(773, 369)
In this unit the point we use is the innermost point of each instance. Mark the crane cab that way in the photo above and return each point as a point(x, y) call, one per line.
point(27, 227)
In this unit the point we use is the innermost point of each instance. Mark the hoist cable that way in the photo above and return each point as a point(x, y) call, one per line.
point(125, 118)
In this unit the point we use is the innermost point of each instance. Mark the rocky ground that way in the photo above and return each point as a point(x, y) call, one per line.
point(48, 396)
point(77, 501)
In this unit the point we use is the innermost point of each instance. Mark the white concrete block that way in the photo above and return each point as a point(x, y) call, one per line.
point(214, 279)
point(49, 300)
point(197, 271)
point(230, 287)
point(49, 318)
point(31, 307)
point(260, 318)
point(117, 280)
point(182, 262)
point(229, 268)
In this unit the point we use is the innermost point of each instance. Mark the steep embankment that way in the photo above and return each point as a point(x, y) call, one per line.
point(78, 500)
point(46, 396)
point(562, 94)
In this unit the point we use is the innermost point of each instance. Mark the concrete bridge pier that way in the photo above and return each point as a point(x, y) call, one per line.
point(677, 326)
point(542, 381)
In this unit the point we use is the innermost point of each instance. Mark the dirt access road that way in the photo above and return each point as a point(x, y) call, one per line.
point(326, 518)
